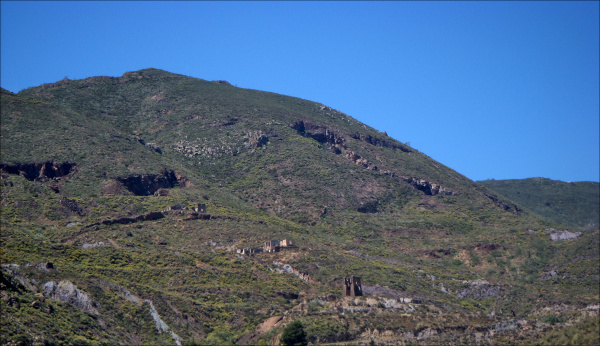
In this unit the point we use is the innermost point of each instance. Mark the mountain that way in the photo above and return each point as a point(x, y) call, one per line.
point(134, 208)
point(573, 204)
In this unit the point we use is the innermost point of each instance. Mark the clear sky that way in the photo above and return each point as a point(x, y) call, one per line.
point(502, 90)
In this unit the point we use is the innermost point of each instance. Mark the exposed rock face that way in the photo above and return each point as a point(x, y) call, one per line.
point(151, 146)
point(336, 144)
point(65, 291)
point(318, 133)
point(354, 157)
point(195, 148)
point(256, 139)
point(428, 188)
point(11, 277)
point(88, 246)
point(504, 205)
point(324, 135)
point(379, 142)
point(45, 266)
point(36, 171)
point(289, 269)
point(148, 184)
point(562, 235)
point(161, 326)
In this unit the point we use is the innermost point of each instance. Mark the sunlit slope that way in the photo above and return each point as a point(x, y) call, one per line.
point(139, 190)
point(574, 204)
point(292, 157)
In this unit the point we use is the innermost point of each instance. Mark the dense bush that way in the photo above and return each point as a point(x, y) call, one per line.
point(294, 335)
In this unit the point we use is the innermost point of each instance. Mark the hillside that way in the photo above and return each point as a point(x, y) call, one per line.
point(573, 204)
point(126, 202)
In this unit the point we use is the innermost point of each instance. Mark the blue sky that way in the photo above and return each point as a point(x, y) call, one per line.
point(502, 90)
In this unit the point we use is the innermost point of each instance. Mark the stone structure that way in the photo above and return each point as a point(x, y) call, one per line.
point(276, 245)
point(272, 246)
point(201, 208)
point(249, 251)
point(352, 287)
point(287, 243)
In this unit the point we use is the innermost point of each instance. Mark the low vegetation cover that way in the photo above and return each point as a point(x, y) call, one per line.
point(135, 210)
point(575, 204)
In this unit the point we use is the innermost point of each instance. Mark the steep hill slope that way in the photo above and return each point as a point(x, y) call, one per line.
point(125, 200)
point(574, 204)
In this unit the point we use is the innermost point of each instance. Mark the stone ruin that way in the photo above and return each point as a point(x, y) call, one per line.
point(270, 246)
point(201, 208)
point(352, 287)
point(276, 245)
point(178, 208)
point(249, 251)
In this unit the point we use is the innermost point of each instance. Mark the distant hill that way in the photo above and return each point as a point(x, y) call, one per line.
point(135, 208)
point(574, 204)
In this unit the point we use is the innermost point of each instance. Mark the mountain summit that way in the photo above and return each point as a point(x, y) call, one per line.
point(153, 195)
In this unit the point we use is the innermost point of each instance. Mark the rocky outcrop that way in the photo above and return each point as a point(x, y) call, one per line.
point(45, 266)
point(562, 235)
point(92, 245)
point(502, 204)
point(161, 326)
point(148, 184)
point(324, 135)
point(354, 157)
point(256, 139)
point(336, 144)
point(66, 291)
point(11, 277)
point(428, 187)
point(289, 269)
point(151, 146)
point(194, 148)
point(36, 171)
point(379, 142)
point(318, 133)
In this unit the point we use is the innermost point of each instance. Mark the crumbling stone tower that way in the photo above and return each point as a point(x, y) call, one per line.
point(352, 287)
point(201, 208)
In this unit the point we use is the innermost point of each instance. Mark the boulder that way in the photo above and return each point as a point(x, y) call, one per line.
point(66, 291)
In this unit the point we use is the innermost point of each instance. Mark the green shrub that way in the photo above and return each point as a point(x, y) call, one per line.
point(294, 334)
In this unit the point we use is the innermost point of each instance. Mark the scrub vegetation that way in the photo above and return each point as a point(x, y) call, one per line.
point(125, 200)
